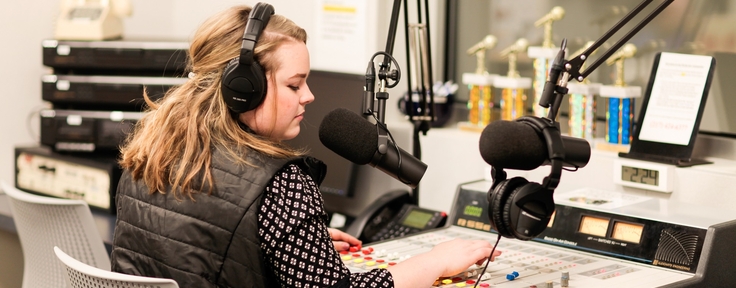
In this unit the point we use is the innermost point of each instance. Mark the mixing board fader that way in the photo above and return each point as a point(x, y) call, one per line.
point(633, 254)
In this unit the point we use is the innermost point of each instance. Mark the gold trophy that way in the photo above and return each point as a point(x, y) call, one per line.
point(620, 112)
point(480, 101)
point(513, 96)
point(543, 56)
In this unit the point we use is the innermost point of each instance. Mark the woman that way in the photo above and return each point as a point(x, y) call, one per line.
point(212, 198)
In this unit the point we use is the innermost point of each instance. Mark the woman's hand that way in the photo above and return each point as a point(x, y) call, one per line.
point(458, 254)
point(342, 240)
point(445, 259)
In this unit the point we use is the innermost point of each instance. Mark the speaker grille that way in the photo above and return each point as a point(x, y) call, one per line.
point(676, 247)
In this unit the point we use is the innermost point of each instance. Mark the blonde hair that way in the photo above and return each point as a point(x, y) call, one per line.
point(172, 144)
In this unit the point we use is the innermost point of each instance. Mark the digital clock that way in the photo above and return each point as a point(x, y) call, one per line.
point(644, 175)
point(640, 175)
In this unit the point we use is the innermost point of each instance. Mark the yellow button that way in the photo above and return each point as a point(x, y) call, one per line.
point(461, 284)
point(383, 266)
point(447, 281)
point(358, 261)
point(347, 257)
point(370, 263)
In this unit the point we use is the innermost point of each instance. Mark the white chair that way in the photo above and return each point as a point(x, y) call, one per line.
point(46, 222)
point(80, 275)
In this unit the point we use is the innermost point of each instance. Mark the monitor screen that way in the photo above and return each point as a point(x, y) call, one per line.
point(331, 91)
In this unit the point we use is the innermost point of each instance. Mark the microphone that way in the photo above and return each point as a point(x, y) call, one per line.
point(487, 43)
point(355, 139)
point(520, 45)
point(517, 145)
point(556, 14)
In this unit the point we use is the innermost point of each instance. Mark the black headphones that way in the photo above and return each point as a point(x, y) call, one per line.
point(521, 209)
point(243, 84)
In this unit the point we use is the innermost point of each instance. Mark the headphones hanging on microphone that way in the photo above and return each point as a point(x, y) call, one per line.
point(520, 209)
point(243, 84)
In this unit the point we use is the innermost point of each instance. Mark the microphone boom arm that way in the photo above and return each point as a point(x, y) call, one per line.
point(556, 87)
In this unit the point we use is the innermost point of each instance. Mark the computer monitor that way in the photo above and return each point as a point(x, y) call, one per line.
point(331, 91)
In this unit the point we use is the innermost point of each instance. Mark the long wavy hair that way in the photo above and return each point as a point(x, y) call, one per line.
point(172, 145)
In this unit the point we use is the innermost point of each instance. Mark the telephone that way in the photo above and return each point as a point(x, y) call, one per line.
point(392, 215)
point(91, 19)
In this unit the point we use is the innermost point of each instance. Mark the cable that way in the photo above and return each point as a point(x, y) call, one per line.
point(396, 64)
point(488, 261)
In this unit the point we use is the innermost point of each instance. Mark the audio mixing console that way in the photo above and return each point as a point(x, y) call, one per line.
point(596, 239)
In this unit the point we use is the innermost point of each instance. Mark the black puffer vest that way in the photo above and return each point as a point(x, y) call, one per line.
point(210, 242)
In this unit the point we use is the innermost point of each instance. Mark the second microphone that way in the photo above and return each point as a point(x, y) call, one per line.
point(355, 139)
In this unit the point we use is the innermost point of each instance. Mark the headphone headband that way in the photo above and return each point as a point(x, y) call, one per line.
point(257, 20)
point(555, 148)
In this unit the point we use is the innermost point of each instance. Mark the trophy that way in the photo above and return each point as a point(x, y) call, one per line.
point(480, 100)
point(543, 56)
point(620, 112)
point(513, 96)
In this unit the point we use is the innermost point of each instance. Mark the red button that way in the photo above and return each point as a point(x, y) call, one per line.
point(356, 255)
point(354, 249)
point(367, 251)
point(368, 258)
point(391, 263)
point(469, 281)
point(485, 285)
point(380, 261)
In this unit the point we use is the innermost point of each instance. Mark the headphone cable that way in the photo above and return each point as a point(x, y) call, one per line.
point(480, 276)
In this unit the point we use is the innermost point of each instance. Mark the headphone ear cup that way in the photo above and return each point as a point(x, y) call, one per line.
point(508, 206)
point(243, 86)
point(497, 201)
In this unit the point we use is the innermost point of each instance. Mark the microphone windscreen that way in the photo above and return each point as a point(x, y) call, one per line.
point(349, 135)
point(512, 145)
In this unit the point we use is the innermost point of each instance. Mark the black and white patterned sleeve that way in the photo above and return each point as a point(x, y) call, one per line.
point(295, 239)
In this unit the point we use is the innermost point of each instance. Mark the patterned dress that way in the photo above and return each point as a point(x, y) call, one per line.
point(295, 240)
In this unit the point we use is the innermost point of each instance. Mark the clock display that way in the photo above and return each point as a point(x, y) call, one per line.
point(639, 175)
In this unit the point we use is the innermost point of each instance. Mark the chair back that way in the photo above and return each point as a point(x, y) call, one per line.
point(45, 222)
point(80, 275)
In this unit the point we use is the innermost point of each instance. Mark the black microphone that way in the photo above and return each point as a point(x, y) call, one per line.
point(354, 138)
point(516, 145)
